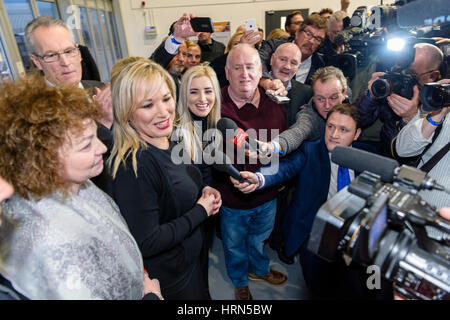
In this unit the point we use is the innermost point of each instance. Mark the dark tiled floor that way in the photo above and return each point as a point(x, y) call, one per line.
point(221, 287)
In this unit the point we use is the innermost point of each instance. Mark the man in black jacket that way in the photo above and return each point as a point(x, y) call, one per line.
point(284, 63)
point(308, 39)
point(211, 48)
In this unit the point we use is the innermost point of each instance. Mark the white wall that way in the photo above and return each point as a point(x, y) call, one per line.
point(138, 44)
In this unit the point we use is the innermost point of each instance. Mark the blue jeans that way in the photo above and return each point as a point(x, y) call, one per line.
point(243, 236)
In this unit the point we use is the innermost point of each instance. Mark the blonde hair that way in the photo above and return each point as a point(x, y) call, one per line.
point(185, 123)
point(278, 33)
point(124, 90)
point(329, 73)
point(122, 63)
point(233, 37)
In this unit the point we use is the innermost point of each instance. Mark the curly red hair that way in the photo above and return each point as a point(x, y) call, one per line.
point(35, 121)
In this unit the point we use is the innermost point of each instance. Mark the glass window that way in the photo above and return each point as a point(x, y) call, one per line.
point(103, 63)
point(114, 33)
point(5, 70)
point(20, 13)
point(47, 9)
point(86, 33)
point(109, 46)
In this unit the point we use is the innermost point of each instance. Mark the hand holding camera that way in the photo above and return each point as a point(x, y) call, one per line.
point(183, 28)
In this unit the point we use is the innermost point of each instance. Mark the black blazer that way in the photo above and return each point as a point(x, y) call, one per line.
point(300, 94)
point(161, 56)
point(104, 135)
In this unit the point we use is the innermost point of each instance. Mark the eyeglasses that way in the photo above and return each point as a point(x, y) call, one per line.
point(55, 56)
point(421, 74)
point(310, 35)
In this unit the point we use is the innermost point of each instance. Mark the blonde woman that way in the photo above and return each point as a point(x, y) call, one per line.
point(199, 110)
point(162, 202)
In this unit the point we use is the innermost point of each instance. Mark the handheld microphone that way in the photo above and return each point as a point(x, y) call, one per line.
point(240, 137)
point(221, 162)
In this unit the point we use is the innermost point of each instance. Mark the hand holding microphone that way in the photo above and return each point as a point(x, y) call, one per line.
point(221, 162)
point(252, 182)
point(241, 139)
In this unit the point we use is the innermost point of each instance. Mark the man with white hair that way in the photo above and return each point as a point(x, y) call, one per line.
point(54, 52)
point(247, 220)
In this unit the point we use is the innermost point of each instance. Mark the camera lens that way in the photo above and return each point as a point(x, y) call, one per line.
point(434, 96)
point(438, 97)
point(380, 88)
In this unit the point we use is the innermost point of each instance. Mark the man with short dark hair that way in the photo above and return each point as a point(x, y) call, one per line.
point(293, 22)
point(326, 13)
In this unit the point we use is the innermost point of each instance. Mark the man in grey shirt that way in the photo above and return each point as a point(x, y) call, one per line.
point(329, 86)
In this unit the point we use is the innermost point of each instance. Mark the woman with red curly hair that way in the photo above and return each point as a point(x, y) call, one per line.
point(61, 236)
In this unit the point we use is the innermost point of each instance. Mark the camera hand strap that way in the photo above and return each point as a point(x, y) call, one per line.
point(435, 159)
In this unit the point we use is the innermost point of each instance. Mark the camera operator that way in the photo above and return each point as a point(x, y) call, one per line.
point(416, 136)
point(396, 111)
point(335, 25)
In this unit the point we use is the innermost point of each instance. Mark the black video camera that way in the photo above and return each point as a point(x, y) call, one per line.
point(401, 83)
point(434, 96)
point(390, 226)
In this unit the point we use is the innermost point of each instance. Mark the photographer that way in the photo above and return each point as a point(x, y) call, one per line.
point(416, 136)
point(396, 111)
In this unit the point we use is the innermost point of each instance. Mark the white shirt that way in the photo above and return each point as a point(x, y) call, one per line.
point(333, 178)
point(303, 70)
point(411, 142)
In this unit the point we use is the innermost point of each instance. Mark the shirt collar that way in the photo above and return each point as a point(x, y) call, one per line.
point(241, 102)
point(288, 87)
point(53, 85)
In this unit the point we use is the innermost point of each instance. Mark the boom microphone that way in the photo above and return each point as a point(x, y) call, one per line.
point(359, 161)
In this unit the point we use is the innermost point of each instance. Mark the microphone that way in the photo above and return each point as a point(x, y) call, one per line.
point(360, 160)
point(221, 162)
point(386, 168)
point(240, 137)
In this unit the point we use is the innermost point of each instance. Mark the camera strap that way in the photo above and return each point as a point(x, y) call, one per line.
point(435, 158)
point(415, 160)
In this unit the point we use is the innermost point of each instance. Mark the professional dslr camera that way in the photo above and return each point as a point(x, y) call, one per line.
point(401, 83)
point(434, 96)
point(387, 224)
